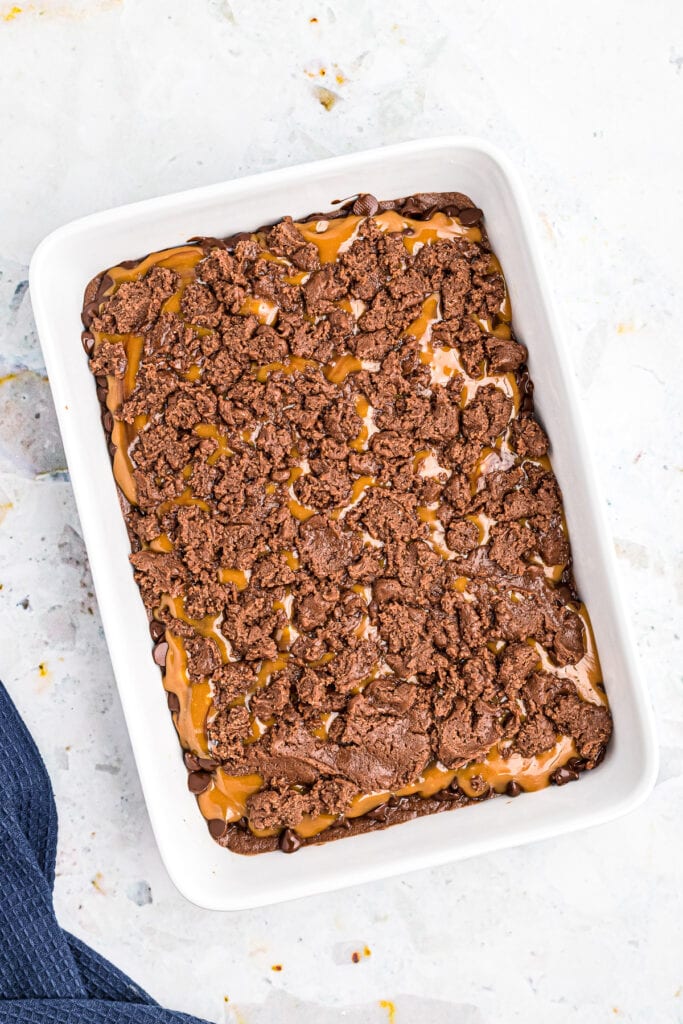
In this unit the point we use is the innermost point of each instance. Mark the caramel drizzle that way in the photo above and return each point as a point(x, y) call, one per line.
point(227, 795)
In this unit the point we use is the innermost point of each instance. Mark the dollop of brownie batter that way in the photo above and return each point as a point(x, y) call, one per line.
point(344, 514)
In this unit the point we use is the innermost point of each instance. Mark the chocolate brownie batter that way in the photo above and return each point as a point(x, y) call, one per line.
point(344, 523)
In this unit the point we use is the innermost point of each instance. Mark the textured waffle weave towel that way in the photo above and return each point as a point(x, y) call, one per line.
point(46, 975)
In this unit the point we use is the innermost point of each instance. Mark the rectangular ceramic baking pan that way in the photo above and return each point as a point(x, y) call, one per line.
point(205, 873)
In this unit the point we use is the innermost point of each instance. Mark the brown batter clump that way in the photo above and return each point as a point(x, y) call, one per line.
point(344, 523)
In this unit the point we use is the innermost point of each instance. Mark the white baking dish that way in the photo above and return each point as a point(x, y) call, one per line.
point(61, 267)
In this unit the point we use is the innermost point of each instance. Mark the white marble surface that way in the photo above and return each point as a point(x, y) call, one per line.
point(105, 102)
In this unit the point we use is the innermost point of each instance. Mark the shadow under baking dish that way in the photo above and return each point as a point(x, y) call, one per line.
point(205, 873)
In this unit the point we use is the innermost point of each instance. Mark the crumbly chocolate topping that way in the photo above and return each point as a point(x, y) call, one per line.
point(344, 523)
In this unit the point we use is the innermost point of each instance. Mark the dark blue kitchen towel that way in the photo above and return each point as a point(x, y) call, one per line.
point(46, 975)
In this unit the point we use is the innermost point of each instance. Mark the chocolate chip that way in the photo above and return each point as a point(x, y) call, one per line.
point(600, 756)
point(471, 216)
point(365, 206)
point(232, 240)
point(207, 763)
point(156, 630)
point(479, 786)
point(173, 702)
point(577, 764)
point(513, 788)
point(107, 421)
point(90, 311)
point(101, 382)
point(207, 242)
point(289, 841)
point(217, 827)
point(197, 782)
point(88, 343)
point(111, 448)
point(159, 653)
point(191, 762)
point(450, 211)
point(561, 776)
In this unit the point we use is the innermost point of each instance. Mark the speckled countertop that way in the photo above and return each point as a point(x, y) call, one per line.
point(106, 102)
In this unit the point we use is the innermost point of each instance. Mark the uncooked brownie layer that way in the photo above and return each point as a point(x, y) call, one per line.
point(344, 523)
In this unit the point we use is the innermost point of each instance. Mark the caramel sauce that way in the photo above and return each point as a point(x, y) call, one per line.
point(492, 460)
point(161, 543)
point(430, 515)
point(421, 329)
point(265, 312)
point(586, 674)
point(337, 371)
point(292, 559)
point(211, 431)
point(182, 258)
point(423, 232)
point(185, 498)
point(356, 307)
point(227, 795)
point(194, 698)
point(123, 435)
point(292, 364)
point(483, 524)
point(357, 491)
point(444, 362)
point(532, 773)
point(365, 411)
point(268, 668)
point(206, 627)
point(239, 577)
point(331, 237)
point(299, 511)
point(334, 237)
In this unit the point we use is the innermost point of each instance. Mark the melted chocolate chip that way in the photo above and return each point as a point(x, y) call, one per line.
point(378, 813)
point(173, 702)
point(289, 841)
point(561, 776)
point(197, 782)
point(513, 788)
point(159, 653)
point(191, 762)
point(217, 827)
point(470, 216)
point(365, 206)
point(157, 630)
